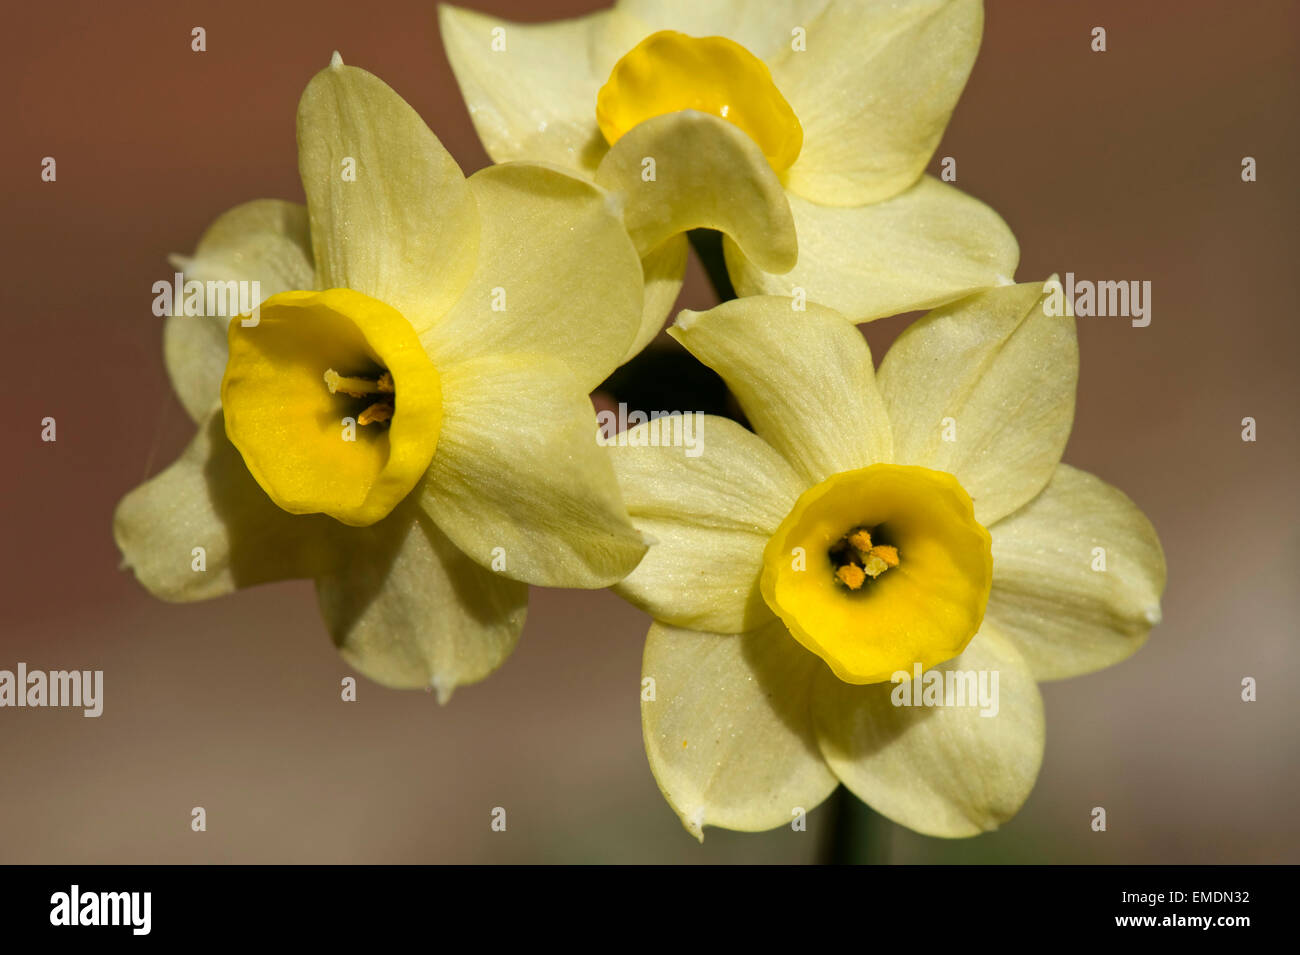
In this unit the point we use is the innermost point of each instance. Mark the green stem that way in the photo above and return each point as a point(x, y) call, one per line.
point(857, 834)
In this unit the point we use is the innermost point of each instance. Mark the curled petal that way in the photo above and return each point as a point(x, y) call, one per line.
point(690, 170)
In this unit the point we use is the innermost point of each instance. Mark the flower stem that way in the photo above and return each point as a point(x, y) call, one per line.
point(857, 834)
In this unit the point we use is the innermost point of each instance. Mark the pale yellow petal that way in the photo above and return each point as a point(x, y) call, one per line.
point(557, 275)
point(531, 88)
point(194, 351)
point(873, 90)
point(409, 610)
point(764, 27)
point(941, 770)
point(924, 247)
point(709, 505)
point(1077, 576)
point(203, 527)
point(663, 269)
point(264, 243)
point(689, 170)
point(804, 379)
point(729, 732)
point(984, 389)
point(391, 213)
point(518, 481)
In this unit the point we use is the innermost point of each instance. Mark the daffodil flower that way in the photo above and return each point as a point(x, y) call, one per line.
point(405, 418)
point(875, 526)
point(800, 129)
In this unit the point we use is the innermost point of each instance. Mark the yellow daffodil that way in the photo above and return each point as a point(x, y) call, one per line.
point(875, 529)
point(405, 418)
point(801, 129)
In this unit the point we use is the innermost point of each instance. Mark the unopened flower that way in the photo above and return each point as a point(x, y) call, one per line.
point(876, 528)
point(405, 418)
point(799, 129)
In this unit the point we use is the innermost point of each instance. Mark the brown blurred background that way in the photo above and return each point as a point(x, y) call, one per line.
point(1122, 165)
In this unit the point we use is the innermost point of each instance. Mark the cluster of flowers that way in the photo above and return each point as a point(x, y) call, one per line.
point(408, 422)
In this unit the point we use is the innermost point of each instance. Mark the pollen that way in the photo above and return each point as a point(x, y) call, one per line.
point(851, 575)
point(887, 554)
point(861, 540)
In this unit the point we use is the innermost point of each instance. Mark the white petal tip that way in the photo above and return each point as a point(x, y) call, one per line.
point(1006, 280)
point(686, 318)
point(336, 60)
point(694, 822)
point(614, 204)
point(648, 539)
point(180, 263)
point(443, 690)
point(1152, 615)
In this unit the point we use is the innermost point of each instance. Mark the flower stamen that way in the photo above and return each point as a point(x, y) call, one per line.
point(377, 412)
point(856, 557)
point(357, 387)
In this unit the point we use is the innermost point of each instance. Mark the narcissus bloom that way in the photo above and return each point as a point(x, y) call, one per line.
point(405, 419)
point(800, 129)
point(873, 527)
